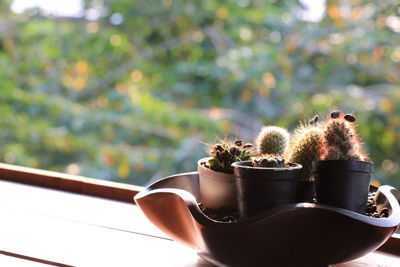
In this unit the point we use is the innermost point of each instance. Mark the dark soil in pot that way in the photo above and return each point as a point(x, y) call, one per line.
point(221, 215)
point(371, 209)
point(232, 215)
point(343, 183)
point(259, 188)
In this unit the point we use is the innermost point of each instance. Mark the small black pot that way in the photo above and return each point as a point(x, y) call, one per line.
point(343, 183)
point(305, 191)
point(259, 188)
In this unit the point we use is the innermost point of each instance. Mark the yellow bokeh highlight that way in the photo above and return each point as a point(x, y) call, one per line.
point(391, 77)
point(167, 3)
point(386, 105)
point(269, 80)
point(222, 13)
point(189, 103)
point(78, 83)
point(356, 13)
point(245, 34)
point(136, 75)
point(334, 12)
point(115, 40)
point(246, 96)
point(381, 22)
point(32, 162)
point(121, 88)
point(123, 169)
point(77, 76)
point(102, 101)
point(264, 92)
point(81, 66)
point(290, 47)
point(395, 56)
point(394, 121)
point(92, 27)
point(198, 36)
point(215, 113)
point(226, 126)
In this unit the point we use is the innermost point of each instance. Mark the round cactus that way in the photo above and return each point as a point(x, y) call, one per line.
point(223, 154)
point(341, 141)
point(272, 140)
point(268, 161)
point(304, 148)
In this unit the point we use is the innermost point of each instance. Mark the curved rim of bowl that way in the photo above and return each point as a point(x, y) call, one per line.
point(392, 221)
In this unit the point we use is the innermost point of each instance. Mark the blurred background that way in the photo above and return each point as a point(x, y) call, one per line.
point(129, 90)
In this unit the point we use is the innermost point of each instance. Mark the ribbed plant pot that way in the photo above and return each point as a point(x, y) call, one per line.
point(259, 188)
point(305, 191)
point(217, 189)
point(343, 183)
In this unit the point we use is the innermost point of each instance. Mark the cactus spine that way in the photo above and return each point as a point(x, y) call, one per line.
point(272, 140)
point(304, 147)
point(223, 154)
point(269, 161)
point(341, 141)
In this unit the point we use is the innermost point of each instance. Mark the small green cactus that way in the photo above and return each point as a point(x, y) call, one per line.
point(304, 147)
point(223, 154)
point(272, 140)
point(268, 161)
point(341, 141)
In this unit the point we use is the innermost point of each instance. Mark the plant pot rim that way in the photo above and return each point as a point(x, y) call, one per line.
point(204, 160)
point(344, 160)
point(245, 165)
point(353, 165)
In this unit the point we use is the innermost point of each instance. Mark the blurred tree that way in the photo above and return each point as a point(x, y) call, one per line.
point(128, 90)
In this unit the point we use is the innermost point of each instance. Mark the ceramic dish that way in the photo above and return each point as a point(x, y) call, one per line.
point(295, 234)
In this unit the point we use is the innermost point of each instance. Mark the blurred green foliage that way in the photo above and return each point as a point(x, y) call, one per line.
point(131, 94)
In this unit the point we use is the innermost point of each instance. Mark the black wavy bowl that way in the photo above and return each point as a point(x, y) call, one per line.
point(296, 234)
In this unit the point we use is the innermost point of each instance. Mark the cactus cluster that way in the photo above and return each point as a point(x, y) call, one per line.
point(340, 139)
point(304, 147)
point(334, 139)
point(272, 140)
point(223, 154)
point(268, 161)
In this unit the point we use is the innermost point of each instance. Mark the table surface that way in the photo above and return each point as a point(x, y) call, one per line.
point(43, 227)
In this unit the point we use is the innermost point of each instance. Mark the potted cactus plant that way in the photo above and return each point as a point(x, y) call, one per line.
point(217, 182)
point(343, 175)
point(304, 148)
point(264, 182)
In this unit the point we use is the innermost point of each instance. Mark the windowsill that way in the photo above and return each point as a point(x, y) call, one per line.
point(69, 183)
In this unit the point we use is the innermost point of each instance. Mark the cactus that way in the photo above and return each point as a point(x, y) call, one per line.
point(223, 154)
point(341, 141)
point(268, 161)
point(272, 140)
point(304, 147)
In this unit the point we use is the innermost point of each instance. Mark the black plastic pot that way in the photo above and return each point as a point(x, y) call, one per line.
point(259, 188)
point(305, 191)
point(343, 183)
